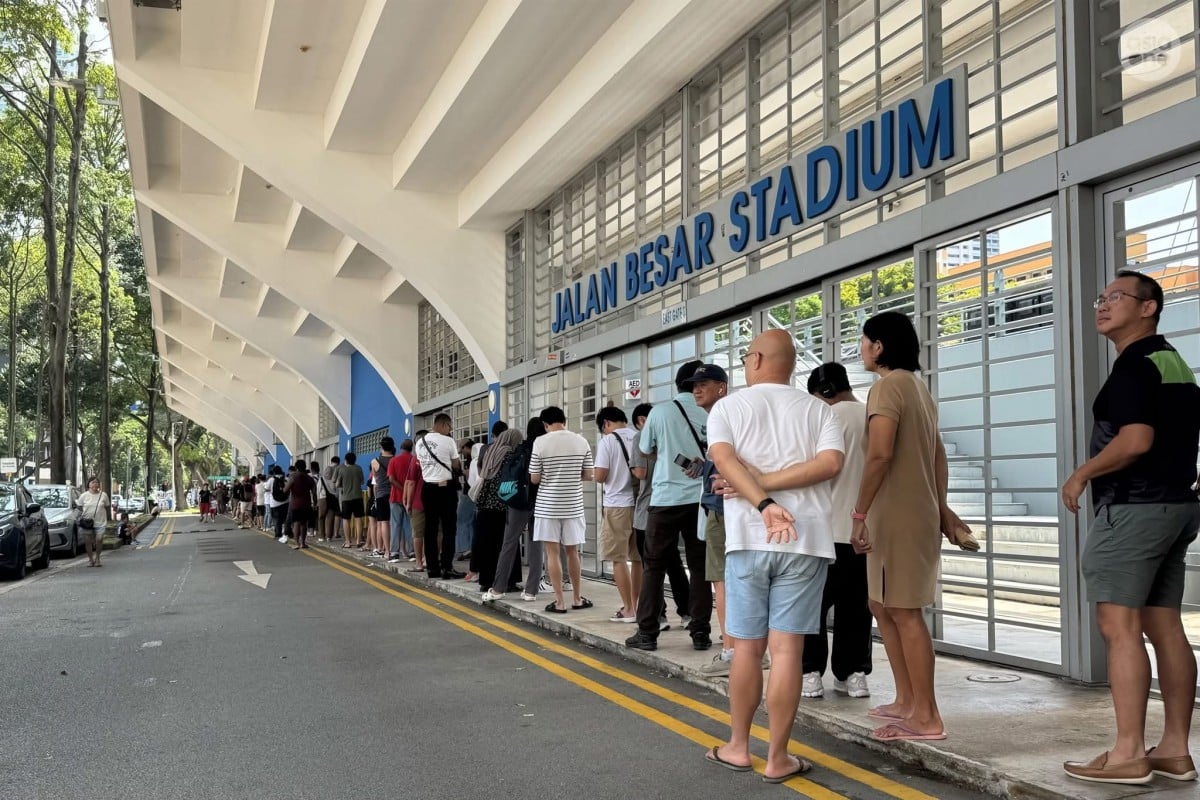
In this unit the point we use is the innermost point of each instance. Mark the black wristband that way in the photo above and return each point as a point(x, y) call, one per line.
point(767, 501)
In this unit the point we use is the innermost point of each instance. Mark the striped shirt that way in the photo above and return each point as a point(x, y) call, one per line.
point(560, 457)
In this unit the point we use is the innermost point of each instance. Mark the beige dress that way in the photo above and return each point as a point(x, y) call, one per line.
point(902, 567)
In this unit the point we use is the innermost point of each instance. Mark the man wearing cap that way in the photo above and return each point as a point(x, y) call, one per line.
point(675, 432)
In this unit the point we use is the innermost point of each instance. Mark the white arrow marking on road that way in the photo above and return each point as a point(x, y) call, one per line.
point(251, 574)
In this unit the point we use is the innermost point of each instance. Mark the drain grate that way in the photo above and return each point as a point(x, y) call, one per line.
point(1000, 677)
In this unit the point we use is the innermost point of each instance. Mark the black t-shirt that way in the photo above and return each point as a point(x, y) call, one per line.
point(1152, 385)
point(205, 496)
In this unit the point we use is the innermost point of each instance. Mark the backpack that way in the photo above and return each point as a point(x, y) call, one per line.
point(277, 491)
point(514, 480)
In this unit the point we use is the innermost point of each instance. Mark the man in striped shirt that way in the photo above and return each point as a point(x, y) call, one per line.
point(560, 463)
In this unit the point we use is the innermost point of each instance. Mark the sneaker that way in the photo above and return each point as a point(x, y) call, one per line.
point(620, 617)
point(717, 668)
point(663, 624)
point(701, 641)
point(813, 686)
point(283, 540)
point(545, 586)
point(492, 594)
point(393, 561)
point(854, 686)
point(642, 641)
point(528, 598)
point(684, 621)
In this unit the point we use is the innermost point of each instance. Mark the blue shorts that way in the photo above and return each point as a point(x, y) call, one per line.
point(773, 591)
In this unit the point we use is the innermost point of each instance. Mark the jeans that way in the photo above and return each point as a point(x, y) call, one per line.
point(401, 526)
point(663, 528)
point(268, 518)
point(466, 524)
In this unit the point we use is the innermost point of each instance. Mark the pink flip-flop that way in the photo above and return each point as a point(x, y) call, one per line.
point(905, 733)
point(875, 713)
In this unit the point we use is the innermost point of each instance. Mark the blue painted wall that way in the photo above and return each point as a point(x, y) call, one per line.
point(372, 406)
point(493, 407)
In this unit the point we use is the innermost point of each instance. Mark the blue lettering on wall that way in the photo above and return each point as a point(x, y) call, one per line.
point(739, 240)
point(938, 130)
point(875, 177)
point(661, 245)
point(912, 139)
point(818, 205)
point(702, 233)
point(787, 201)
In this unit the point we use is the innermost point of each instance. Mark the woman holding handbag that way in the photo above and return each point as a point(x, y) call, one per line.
point(93, 516)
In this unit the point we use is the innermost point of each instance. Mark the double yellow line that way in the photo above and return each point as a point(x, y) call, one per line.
point(164, 534)
point(411, 594)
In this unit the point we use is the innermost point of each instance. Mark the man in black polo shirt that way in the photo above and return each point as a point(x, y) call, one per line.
point(1142, 472)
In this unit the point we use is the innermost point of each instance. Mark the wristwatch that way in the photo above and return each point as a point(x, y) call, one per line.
point(767, 501)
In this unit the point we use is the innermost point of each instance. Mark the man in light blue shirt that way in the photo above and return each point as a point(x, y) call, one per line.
point(675, 433)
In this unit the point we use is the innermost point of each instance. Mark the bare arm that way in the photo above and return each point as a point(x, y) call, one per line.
point(535, 478)
point(941, 473)
point(881, 445)
point(587, 474)
point(824, 466)
point(1130, 443)
point(601, 474)
point(735, 472)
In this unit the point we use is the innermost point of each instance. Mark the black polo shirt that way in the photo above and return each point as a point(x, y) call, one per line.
point(1151, 385)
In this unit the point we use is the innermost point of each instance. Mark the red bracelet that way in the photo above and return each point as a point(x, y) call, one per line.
point(854, 515)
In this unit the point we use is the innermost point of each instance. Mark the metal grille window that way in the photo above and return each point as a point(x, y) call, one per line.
point(366, 443)
point(327, 423)
point(719, 126)
point(444, 363)
point(618, 206)
point(470, 419)
point(516, 296)
point(790, 86)
point(580, 233)
point(516, 410)
point(1146, 56)
point(859, 297)
point(304, 445)
point(804, 318)
point(660, 151)
point(990, 341)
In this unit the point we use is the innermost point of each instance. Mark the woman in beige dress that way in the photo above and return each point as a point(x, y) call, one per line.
point(900, 512)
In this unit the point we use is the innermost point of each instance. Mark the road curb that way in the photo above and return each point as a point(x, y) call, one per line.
point(963, 771)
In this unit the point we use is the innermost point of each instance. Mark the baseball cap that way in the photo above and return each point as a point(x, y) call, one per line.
point(708, 372)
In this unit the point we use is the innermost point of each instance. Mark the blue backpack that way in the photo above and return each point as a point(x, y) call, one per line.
point(514, 480)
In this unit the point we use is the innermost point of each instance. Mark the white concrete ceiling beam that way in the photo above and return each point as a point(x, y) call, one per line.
point(460, 272)
point(257, 200)
point(301, 52)
point(383, 333)
point(212, 421)
point(504, 68)
point(208, 396)
point(197, 372)
point(281, 388)
point(653, 49)
point(368, 115)
point(248, 432)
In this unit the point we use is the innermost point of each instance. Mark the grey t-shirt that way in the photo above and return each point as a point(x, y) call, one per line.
point(639, 460)
point(349, 481)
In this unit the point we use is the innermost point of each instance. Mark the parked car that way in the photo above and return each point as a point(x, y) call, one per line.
point(24, 535)
point(135, 504)
point(57, 502)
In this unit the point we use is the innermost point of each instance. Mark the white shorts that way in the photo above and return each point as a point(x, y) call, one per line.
point(247, 508)
point(564, 531)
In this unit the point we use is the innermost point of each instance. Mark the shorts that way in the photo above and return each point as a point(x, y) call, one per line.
point(260, 511)
point(93, 537)
point(418, 524)
point(350, 509)
point(300, 516)
point(714, 547)
point(617, 540)
point(205, 509)
point(246, 507)
point(1134, 554)
point(381, 509)
point(769, 591)
point(569, 532)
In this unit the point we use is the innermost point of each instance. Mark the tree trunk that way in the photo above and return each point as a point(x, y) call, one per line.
point(104, 468)
point(152, 396)
point(55, 331)
point(12, 369)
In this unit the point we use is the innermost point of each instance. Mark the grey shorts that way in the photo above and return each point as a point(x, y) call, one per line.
point(1134, 555)
point(714, 547)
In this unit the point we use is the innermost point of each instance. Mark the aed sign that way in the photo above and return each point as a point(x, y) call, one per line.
point(917, 137)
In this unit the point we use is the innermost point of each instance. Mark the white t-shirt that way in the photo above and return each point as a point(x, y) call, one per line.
point(618, 486)
point(853, 417)
point(772, 426)
point(560, 457)
point(436, 444)
point(260, 493)
point(94, 505)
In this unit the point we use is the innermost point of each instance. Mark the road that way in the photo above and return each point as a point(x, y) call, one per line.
point(165, 675)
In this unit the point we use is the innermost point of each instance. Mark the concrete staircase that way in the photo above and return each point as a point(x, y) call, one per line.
point(967, 490)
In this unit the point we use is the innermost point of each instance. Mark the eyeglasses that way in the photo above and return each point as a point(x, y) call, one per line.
point(747, 355)
point(1114, 297)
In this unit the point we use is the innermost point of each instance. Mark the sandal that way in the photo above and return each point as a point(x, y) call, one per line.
point(554, 609)
point(583, 603)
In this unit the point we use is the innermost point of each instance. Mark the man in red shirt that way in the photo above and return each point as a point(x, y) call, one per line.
point(400, 470)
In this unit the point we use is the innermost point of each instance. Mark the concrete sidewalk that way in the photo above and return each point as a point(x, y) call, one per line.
point(1009, 730)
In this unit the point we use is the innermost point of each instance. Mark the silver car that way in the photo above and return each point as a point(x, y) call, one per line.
point(57, 502)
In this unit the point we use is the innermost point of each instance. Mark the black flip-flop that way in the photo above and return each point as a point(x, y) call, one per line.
point(554, 609)
point(801, 768)
point(583, 603)
point(714, 757)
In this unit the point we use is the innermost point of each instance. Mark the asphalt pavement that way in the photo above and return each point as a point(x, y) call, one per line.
point(171, 672)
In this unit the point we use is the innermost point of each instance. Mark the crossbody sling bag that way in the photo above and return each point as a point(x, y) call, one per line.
point(699, 443)
point(442, 464)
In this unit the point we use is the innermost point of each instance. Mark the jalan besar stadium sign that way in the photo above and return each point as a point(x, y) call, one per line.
point(916, 137)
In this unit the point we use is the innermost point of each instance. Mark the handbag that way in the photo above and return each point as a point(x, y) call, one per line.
point(88, 522)
point(488, 494)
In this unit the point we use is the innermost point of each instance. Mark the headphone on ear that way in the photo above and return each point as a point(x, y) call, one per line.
point(824, 386)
